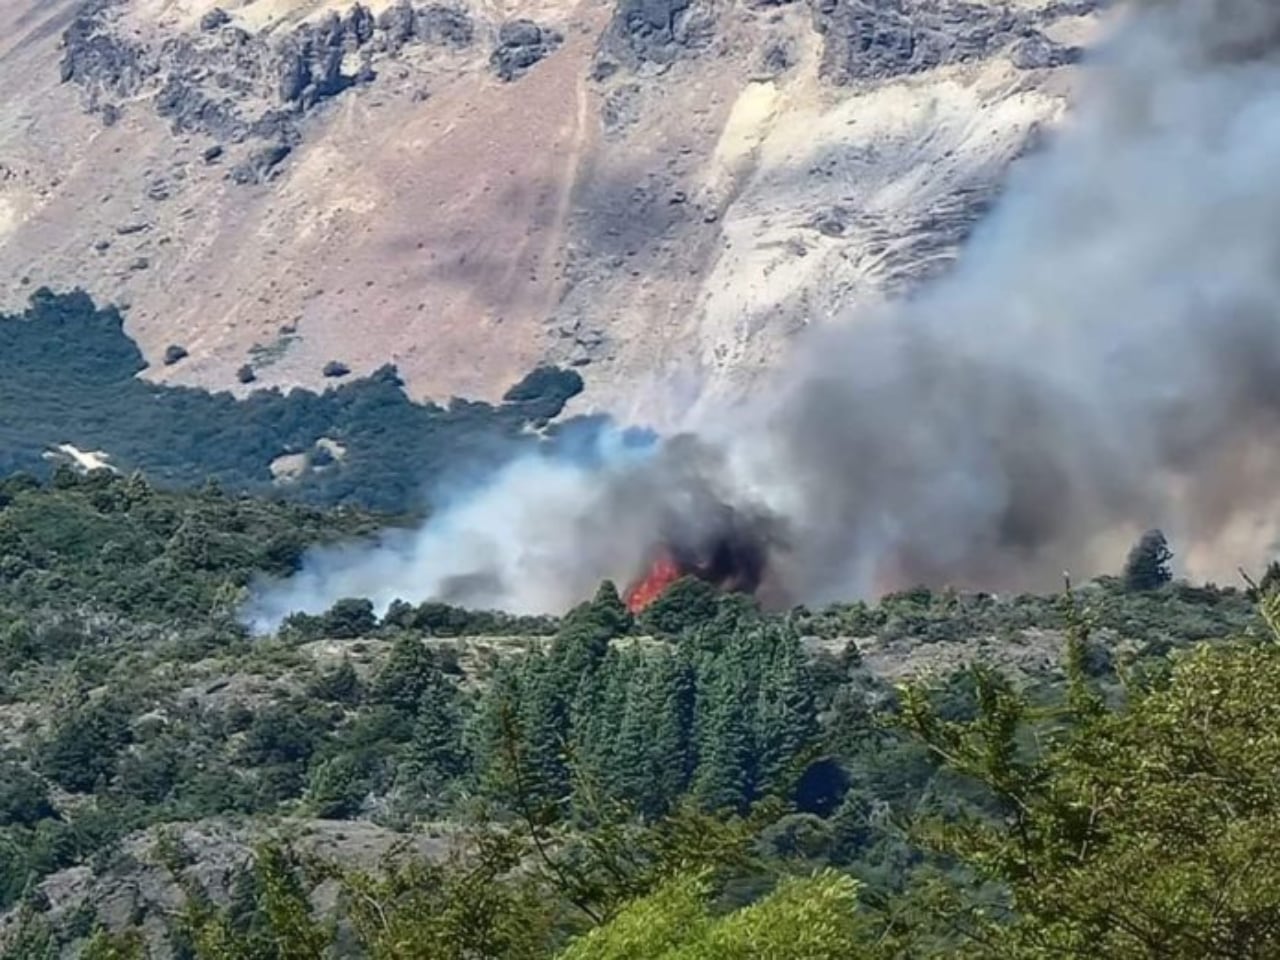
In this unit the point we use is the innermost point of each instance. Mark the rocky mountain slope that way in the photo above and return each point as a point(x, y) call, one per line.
point(660, 192)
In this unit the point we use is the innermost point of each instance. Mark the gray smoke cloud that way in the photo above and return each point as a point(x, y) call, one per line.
point(1105, 357)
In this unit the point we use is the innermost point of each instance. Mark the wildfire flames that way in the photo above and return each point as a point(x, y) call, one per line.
point(663, 572)
point(730, 556)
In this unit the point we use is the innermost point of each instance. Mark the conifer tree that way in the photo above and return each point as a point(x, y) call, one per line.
point(637, 756)
point(434, 757)
point(544, 731)
point(1148, 565)
point(583, 638)
point(786, 718)
point(597, 720)
point(669, 705)
point(726, 769)
point(410, 671)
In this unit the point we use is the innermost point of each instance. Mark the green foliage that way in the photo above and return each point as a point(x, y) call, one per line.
point(729, 717)
point(468, 906)
point(409, 673)
point(85, 745)
point(613, 758)
point(686, 603)
point(804, 919)
point(338, 685)
point(34, 939)
point(277, 925)
point(349, 619)
point(336, 788)
point(436, 619)
point(110, 543)
point(104, 945)
point(24, 797)
point(71, 378)
point(1142, 832)
point(651, 927)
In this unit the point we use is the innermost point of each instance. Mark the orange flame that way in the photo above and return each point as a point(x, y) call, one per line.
point(663, 572)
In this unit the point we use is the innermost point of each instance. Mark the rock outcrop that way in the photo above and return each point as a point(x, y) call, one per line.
point(649, 34)
point(225, 83)
point(521, 44)
point(880, 39)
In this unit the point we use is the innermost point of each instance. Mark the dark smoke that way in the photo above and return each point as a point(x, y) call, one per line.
point(1105, 358)
point(732, 552)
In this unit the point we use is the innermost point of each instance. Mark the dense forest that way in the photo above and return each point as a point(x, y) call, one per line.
point(71, 378)
point(703, 780)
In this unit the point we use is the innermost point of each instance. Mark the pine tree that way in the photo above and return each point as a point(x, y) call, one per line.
point(409, 672)
point(597, 714)
point(350, 619)
point(435, 757)
point(637, 758)
point(1148, 565)
point(673, 702)
point(335, 788)
point(495, 720)
point(544, 732)
point(726, 768)
point(583, 638)
point(786, 718)
point(339, 685)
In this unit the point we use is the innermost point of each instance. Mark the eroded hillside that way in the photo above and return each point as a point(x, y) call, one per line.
point(659, 192)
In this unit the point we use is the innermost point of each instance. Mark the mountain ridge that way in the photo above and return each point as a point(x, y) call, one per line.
point(661, 198)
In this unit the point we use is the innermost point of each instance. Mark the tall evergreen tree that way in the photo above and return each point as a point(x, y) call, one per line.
point(637, 757)
point(410, 671)
point(583, 638)
point(495, 719)
point(725, 777)
point(673, 700)
point(1148, 565)
point(597, 719)
point(786, 717)
point(434, 758)
point(543, 732)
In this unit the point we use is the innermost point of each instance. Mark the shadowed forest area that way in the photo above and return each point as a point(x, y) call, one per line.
point(71, 378)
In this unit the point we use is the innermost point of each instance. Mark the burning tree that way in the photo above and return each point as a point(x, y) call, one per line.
point(728, 551)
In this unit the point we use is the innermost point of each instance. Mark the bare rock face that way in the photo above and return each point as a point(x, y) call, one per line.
point(225, 83)
point(655, 33)
point(661, 193)
point(521, 44)
point(879, 39)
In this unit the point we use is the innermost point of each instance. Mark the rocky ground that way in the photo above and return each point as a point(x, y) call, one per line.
point(147, 879)
point(659, 192)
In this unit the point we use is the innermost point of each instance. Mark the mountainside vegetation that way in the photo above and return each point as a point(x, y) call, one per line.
point(71, 378)
point(704, 780)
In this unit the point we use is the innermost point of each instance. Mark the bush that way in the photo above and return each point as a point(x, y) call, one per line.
point(24, 798)
point(349, 619)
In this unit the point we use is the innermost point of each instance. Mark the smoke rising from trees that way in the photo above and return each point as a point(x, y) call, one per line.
point(1104, 359)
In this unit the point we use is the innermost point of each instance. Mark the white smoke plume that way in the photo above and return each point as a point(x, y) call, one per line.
point(1105, 357)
